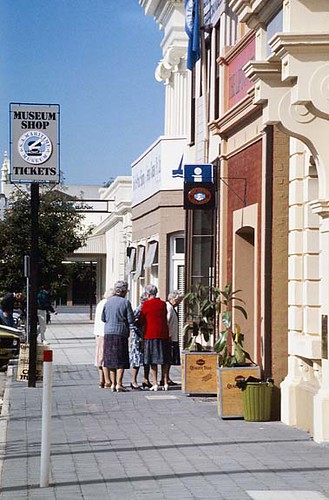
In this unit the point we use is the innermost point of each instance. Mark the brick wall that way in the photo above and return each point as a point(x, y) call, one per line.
point(280, 255)
point(244, 180)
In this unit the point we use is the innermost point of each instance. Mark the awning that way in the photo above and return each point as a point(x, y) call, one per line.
point(150, 255)
point(94, 245)
point(131, 261)
point(139, 266)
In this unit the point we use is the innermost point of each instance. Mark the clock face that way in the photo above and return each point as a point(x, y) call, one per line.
point(35, 147)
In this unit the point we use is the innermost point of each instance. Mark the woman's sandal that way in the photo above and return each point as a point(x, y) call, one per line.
point(120, 388)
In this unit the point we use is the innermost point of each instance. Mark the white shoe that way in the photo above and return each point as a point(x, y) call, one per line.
point(154, 388)
point(45, 342)
point(165, 387)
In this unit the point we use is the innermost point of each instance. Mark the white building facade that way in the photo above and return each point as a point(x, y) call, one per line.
point(156, 254)
point(291, 74)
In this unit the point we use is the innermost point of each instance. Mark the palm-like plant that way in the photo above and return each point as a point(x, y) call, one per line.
point(201, 306)
point(229, 345)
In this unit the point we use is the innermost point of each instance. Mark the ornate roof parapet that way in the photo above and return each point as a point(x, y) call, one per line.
point(161, 10)
point(170, 15)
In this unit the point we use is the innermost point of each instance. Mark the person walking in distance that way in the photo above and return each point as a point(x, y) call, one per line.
point(44, 307)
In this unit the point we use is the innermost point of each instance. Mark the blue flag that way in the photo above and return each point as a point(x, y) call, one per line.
point(192, 28)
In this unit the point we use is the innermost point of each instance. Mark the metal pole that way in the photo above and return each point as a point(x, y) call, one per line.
point(91, 291)
point(46, 418)
point(27, 276)
point(34, 283)
point(204, 71)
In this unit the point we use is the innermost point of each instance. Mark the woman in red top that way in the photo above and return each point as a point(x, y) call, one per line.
point(156, 336)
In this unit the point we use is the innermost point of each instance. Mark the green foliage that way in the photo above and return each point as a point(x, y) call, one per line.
point(229, 345)
point(205, 305)
point(60, 233)
point(201, 307)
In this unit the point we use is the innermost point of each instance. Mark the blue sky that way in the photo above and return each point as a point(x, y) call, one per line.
point(96, 58)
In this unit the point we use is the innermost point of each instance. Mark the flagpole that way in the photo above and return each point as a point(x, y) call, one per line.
point(204, 83)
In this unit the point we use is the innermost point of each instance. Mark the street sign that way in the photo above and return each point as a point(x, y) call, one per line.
point(198, 173)
point(23, 363)
point(34, 143)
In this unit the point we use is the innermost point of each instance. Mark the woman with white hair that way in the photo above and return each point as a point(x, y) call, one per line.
point(119, 318)
point(104, 380)
point(174, 299)
point(156, 336)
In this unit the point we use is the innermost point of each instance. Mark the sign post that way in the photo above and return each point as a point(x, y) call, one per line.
point(34, 283)
point(27, 270)
point(34, 159)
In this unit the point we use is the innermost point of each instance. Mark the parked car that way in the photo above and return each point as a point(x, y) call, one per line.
point(9, 344)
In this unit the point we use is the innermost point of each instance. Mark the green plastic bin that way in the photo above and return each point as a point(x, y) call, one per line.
point(257, 401)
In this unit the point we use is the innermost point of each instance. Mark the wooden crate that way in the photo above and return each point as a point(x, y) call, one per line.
point(199, 372)
point(229, 396)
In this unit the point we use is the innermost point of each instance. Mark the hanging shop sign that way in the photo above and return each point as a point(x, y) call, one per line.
point(199, 195)
point(198, 173)
point(34, 143)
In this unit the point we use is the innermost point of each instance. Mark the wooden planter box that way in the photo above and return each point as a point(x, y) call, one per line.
point(199, 372)
point(229, 396)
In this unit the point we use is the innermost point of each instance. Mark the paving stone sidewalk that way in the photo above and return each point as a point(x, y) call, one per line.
point(143, 445)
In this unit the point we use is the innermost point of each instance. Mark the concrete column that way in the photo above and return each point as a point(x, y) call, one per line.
point(321, 399)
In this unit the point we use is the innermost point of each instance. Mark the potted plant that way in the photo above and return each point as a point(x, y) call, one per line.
point(201, 305)
point(229, 345)
point(234, 361)
point(199, 360)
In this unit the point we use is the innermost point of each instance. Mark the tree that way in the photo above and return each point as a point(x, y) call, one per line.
point(61, 231)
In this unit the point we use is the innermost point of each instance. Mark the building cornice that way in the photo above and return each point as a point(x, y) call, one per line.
point(233, 118)
point(237, 48)
point(255, 12)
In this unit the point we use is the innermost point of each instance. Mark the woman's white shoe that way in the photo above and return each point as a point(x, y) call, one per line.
point(165, 387)
point(154, 388)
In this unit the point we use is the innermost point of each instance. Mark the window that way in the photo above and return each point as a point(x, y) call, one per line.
point(193, 105)
point(151, 254)
point(275, 25)
point(217, 73)
point(139, 266)
point(131, 262)
point(202, 250)
point(179, 245)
